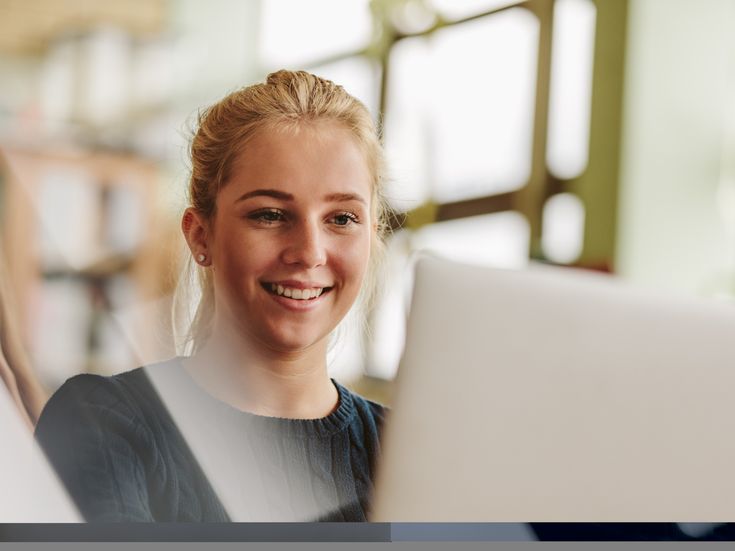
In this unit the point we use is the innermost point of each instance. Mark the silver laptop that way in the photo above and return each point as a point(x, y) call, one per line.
point(559, 396)
point(31, 492)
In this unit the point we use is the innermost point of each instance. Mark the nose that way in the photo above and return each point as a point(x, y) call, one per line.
point(305, 246)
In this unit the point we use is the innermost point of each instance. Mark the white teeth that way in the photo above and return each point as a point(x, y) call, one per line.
point(296, 294)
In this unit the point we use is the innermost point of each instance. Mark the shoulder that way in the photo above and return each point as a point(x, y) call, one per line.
point(367, 411)
point(373, 409)
point(99, 391)
point(126, 396)
point(90, 388)
point(110, 441)
point(84, 392)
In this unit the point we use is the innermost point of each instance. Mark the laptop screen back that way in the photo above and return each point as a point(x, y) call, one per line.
point(550, 395)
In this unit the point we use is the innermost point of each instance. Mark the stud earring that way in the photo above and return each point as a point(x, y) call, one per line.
point(201, 258)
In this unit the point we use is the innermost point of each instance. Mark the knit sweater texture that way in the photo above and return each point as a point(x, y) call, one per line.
point(150, 445)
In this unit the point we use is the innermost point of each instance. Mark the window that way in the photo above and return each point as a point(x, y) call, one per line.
point(486, 117)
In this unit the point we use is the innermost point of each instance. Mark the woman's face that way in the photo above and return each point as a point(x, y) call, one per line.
point(290, 242)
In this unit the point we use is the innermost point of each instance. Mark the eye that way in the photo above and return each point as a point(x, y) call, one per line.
point(345, 219)
point(267, 216)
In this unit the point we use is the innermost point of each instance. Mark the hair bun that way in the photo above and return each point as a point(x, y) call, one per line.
point(279, 77)
point(285, 77)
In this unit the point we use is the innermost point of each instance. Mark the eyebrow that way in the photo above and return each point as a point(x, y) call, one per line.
point(274, 193)
point(282, 195)
point(342, 197)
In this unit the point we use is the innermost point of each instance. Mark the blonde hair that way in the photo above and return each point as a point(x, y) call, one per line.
point(287, 98)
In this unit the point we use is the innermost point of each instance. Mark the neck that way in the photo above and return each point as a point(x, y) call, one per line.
point(292, 384)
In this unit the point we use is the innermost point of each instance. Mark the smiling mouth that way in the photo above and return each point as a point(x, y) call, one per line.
point(295, 294)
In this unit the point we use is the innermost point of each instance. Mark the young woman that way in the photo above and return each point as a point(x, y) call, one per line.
point(285, 224)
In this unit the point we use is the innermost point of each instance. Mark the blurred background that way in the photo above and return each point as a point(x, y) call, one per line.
point(592, 133)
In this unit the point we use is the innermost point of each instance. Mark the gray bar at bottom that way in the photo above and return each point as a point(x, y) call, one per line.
point(461, 531)
point(198, 532)
point(368, 546)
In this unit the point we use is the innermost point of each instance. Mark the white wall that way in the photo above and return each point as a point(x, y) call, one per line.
point(678, 145)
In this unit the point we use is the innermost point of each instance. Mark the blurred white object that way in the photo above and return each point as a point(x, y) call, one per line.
point(104, 74)
point(459, 110)
point(570, 96)
point(565, 396)
point(293, 32)
point(562, 235)
point(31, 492)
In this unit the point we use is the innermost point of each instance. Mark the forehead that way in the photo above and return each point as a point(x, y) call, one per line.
point(302, 158)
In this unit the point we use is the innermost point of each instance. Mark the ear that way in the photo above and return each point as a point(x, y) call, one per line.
point(196, 232)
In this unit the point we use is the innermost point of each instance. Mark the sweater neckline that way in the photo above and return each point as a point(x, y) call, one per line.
point(327, 426)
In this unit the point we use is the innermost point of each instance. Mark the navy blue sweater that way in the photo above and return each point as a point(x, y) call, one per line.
point(116, 446)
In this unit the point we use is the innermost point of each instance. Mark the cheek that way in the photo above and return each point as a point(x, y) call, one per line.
point(240, 260)
point(355, 259)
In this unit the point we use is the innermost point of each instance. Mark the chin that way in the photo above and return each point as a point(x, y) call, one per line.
point(292, 343)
